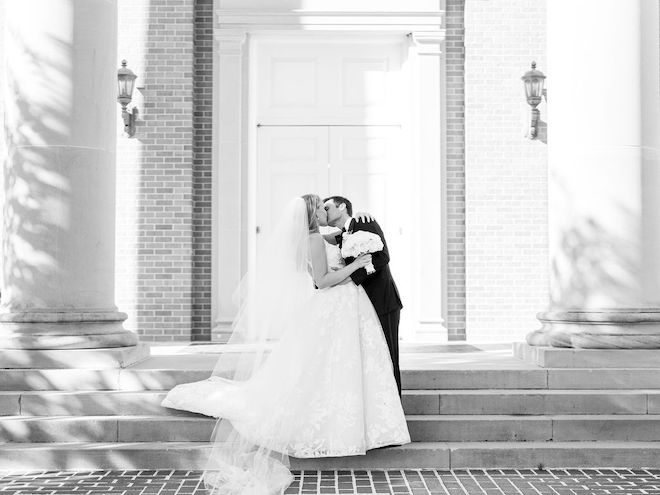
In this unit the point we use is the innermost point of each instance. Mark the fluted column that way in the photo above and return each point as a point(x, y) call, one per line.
point(59, 179)
point(604, 173)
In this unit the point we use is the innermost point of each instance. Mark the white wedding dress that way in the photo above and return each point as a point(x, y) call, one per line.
point(326, 389)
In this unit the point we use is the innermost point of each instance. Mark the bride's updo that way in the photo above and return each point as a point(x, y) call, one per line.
point(312, 202)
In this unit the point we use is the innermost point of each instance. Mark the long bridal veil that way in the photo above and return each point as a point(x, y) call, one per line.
point(249, 442)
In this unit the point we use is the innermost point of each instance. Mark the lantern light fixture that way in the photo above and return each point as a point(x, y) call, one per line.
point(534, 81)
point(126, 82)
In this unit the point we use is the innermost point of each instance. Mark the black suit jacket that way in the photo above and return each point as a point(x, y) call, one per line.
point(379, 286)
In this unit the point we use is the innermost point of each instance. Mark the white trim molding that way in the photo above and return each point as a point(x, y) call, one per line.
point(356, 15)
point(227, 202)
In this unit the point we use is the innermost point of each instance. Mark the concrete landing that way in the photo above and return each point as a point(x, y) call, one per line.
point(101, 358)
point(556, 357)
point(413, 356)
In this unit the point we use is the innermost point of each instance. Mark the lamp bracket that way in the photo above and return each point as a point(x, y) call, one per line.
point(130, 118)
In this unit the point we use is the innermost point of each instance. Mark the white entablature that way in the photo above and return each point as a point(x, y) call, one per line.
point(343, 15)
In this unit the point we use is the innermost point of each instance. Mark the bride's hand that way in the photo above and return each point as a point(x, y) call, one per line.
point(364, 217)
point(361, 261)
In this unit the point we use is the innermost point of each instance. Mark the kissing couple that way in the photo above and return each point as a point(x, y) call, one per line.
point(313, 365)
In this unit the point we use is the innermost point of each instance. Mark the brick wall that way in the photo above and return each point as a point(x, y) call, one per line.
point(155, 191)
point(455, 169)
point(202, 167)
point(505, 173)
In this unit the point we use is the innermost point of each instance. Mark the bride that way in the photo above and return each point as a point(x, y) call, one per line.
point(308, 372)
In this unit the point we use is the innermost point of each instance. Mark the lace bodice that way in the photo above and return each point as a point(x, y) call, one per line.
point(333, 255)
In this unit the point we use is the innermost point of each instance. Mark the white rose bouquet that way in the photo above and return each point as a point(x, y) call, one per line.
point(361, 242)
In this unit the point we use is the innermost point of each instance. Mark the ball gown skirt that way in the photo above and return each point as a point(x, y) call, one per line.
point(326, 389)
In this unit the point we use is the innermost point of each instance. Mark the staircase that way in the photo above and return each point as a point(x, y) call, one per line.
point(471, 409)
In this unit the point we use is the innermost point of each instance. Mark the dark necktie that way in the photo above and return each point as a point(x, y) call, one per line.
point(340, 237)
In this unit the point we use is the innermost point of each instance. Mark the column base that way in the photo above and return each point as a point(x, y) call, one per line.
point(625, 329)
point(553, 357)
point(64, 330)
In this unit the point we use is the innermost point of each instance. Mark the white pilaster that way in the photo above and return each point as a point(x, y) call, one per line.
point(228, 182)
point(427, 133)
point(604, 161)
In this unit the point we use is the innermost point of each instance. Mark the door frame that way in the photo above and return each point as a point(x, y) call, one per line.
point(237, 32)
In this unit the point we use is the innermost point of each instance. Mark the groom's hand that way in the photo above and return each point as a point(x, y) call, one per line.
point(364, 217)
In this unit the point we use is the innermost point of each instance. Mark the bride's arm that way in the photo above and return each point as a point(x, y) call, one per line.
point(324, 278)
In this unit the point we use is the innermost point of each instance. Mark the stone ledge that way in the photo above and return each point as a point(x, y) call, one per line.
point(561, 357)
point(432, 455)
point(101, 358)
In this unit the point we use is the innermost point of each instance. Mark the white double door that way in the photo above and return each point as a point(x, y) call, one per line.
point(361, 163)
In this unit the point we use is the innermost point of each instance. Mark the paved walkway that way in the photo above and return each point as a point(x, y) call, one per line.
point(396, 482)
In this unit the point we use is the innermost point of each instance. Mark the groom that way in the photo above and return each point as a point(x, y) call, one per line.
point(379, 286)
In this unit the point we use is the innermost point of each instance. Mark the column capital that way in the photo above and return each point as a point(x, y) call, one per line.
point(230, 41)
point(428, 42)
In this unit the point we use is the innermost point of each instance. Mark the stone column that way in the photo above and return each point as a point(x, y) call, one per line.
point(604, 174)
point(59, 178)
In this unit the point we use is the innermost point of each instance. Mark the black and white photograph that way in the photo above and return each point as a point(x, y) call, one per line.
point(297, 247)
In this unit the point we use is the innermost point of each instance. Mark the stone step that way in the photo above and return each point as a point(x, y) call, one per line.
point(557, 357)
point(102, 358)
point(457, 402)
point(423, 428)
point(446, 379)
point(86, 403)
point(431, 455)
point(531, 402)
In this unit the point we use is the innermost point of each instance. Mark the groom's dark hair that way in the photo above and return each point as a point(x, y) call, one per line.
point(339, 200)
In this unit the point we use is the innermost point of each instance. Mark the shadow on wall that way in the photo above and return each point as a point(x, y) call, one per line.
point(37, 193)
point(542, 131)
point(594, 267)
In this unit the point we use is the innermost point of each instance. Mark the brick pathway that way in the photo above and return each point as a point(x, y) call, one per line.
point(408, 482)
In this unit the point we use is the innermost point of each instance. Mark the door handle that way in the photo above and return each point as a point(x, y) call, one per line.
point(258, 229)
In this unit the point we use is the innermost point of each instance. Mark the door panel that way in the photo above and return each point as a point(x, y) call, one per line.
point(366, 167)
point(329, 83)
point(362, 163)
point(292, 161)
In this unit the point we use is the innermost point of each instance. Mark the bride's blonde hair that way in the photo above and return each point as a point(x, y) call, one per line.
point(312, 202)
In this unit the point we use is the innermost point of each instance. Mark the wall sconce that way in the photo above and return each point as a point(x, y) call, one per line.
point(534, 80)
point(126, 81)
